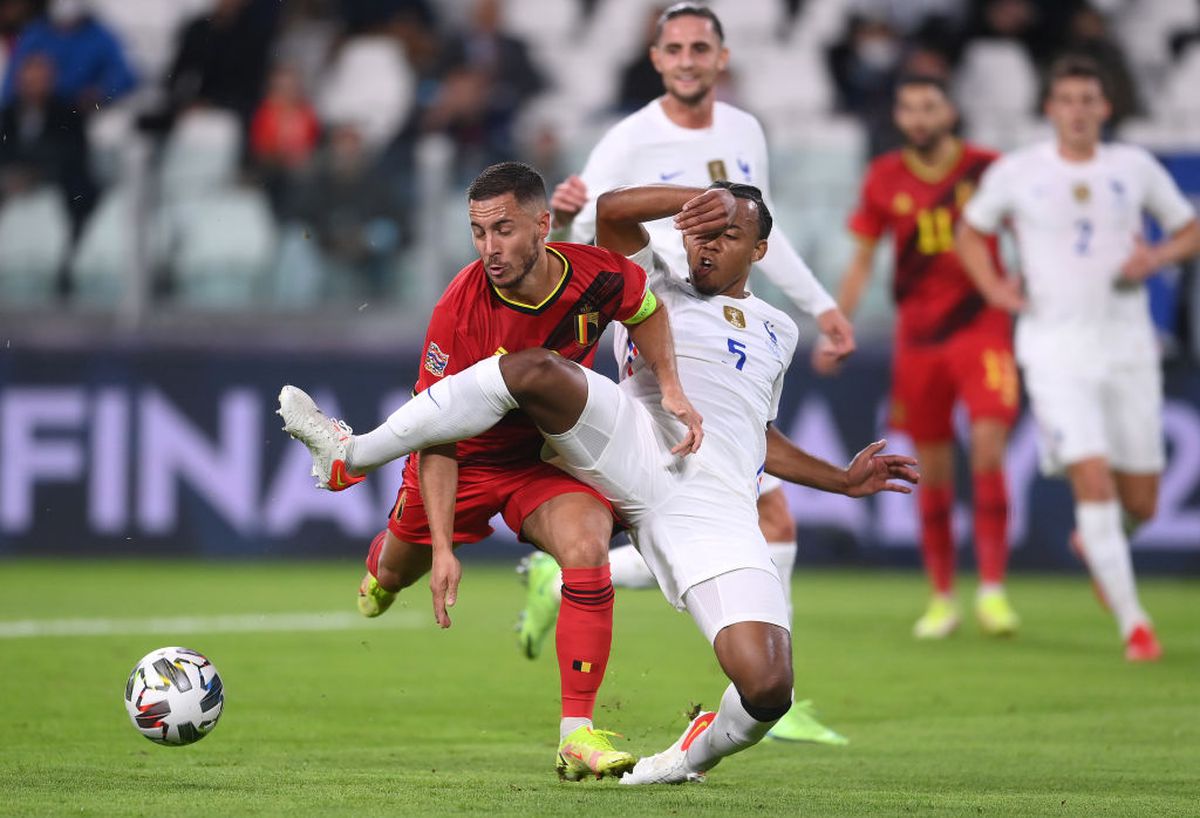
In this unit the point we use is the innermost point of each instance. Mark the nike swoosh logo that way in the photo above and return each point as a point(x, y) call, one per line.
point(666, 177)
point(701, 724)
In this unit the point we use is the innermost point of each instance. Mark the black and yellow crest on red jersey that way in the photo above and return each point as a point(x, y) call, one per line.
point(587, 328)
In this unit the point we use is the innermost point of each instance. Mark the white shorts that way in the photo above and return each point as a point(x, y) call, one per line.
point(742, 595)
point(768, 483)
point(1115, 414)
point(685, 520)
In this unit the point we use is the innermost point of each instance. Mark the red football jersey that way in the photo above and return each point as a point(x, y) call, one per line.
point(473, 321)
point(934, 298)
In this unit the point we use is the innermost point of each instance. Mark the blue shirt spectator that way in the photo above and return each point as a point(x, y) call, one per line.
point(89, 63)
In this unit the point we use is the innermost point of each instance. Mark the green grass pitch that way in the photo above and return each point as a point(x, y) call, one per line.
point(400, 718)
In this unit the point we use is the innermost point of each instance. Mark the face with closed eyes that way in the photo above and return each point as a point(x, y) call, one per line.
point(719, 263)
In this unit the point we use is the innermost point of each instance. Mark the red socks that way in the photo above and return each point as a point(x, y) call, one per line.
point(373, 553)
point(991, 526)
point(937, 543)
point(584, 637)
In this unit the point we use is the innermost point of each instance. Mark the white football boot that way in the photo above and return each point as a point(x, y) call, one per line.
point(327, 438)
point(671, 765)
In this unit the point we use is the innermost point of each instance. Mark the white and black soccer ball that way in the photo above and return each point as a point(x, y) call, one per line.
point(174, 696)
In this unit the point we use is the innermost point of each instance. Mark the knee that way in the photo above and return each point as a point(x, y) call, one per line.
point(775, 519)
point(768, 689)
point(585, 551)
point(530, 370)
point(1141, 508)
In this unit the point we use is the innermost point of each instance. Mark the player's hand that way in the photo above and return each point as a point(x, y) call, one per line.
point(1141, 264)
point(710, 212)
point(443, 582)
point(871, 472)
point(679, 406)
point(1007, 295)
point(569, 197)
point(836, 341)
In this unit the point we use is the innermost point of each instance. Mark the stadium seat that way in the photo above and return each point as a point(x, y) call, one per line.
point(225, 245)
point(35, 235)
point(201, 154)
point(105, 252)
point(369, 84)
point(750, 24)
point(821, 21)
point(149, 29)
point(997, 79)
point(1178, 100)
point(771, 90)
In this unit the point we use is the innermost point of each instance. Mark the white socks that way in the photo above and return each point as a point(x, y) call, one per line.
point(783, 554)
point(731, 731)
point(629, 570)
point(1107, 551)
point(455, 408)
point(569, 724)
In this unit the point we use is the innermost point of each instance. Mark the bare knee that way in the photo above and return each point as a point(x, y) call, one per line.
point(757, 658)
point(531, 371)
point(1141, 508)
point(584, 551)
point(774, 517)
point(769, 688)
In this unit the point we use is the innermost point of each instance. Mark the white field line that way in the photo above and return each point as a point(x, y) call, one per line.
point(228, 623)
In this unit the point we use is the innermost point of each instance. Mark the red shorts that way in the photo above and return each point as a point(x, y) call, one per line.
point(483, 491)
point(927, 380)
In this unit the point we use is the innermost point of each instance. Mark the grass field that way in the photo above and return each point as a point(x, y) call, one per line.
point(398, 718)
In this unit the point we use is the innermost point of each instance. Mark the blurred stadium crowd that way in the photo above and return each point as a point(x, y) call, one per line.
point(259, 155)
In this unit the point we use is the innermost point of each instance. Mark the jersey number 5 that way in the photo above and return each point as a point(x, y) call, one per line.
point(738, 349)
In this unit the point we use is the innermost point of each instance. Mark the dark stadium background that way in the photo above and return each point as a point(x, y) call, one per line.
point(170, 253)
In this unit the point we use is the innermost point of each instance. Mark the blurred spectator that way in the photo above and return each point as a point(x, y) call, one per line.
point(284, 131)
point(865, 66)
point(307, 33)
point(1088, 36)
point(640, 82)
point(367, 15)
point(1038, 25)
point(472, 87)
point(90, 66)
point(351, 214)
point(42, 140)
point(14, 16)
point(221, 59)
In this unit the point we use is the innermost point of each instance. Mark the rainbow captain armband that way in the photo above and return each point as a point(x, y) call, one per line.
point(649, 305)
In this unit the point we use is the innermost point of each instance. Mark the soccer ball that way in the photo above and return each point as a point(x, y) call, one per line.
point(174, 696)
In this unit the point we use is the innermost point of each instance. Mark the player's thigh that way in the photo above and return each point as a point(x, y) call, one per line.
point(617, 448)
point(923, 393)
point(774, 517)
point(1069, 411)
point(574, 528)
point(1133, 405)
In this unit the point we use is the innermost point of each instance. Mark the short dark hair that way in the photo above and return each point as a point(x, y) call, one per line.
point(687, 9)
point(922, 81)
point(517, 178)
point(751, 194)
point(1076, 66)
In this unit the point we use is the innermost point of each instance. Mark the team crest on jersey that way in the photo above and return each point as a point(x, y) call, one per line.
point(436, 360)
point(587, 328)
point(1081, 192)
point(736, 317)
point(716, 170)
point(902, 204)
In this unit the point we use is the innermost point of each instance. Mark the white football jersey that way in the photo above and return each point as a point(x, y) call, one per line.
point(1075, 225)
point(648, 148)
point(732, 355)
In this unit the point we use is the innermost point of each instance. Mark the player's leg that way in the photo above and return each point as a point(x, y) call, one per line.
point(744, 615)
point(1138, 493)
point(923, 396)
point(572, 524)
point(988, 384)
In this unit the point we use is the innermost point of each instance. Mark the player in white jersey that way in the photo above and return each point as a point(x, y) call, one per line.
point(687, 137)
point(691, 517)
point(1084, 338)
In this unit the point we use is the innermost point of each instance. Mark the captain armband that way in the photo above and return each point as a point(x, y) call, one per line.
point(649, 305)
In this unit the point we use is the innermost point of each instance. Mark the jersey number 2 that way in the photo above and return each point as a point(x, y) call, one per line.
point(738, 349)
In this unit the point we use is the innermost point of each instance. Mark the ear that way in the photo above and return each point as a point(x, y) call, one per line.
point(723, 59)
point(760, 250)
point(543, 224)
point(656, 58)
point(1107, 109)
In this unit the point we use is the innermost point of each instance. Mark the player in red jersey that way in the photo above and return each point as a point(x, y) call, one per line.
point(523, 293)
point(950, 345)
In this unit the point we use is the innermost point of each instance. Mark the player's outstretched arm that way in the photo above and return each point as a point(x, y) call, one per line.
point(439, 486)
point(621, 212)
point(1001, 292)
point(868, 473)
point(826, 356)
point(656, 347)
